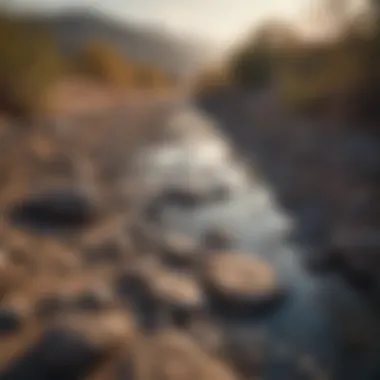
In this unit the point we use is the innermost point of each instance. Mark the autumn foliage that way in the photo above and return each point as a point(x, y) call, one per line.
point(31, 63)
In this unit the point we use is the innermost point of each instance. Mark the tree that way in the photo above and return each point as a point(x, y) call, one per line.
point(30, 63)
point(105, 63)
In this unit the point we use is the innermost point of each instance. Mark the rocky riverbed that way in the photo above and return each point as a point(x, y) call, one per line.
point(169, 261)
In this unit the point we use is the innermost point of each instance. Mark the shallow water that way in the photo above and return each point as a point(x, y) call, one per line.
point(319, 311)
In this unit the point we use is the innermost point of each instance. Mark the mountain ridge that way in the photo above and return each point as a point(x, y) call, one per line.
point(150, 44)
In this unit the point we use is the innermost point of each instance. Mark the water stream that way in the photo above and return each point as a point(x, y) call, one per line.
point(320, 311)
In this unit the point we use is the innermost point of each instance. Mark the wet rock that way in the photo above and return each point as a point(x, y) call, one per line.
point(171, 355)
point(217, 238)
point(178, 249)
point(239, 284)
point(56, 208)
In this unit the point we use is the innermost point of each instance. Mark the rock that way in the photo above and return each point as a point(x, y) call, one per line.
point(219, 193)
point(51, 306)
point(141, 237)
point(357, 249)
point(322, 261)
point(95, 298)
point(76, 345)
point(10, 320)
point(10, 275)
point(246, 351)
point(238, 283)
point(131, 289)
point(109, 251)
point(160, 295)
point(183, 197)
point(171, 355)
point(208, 335)
point(62, 166)
point(178, 250)
point(176, 294)
point(217, 238)
point(13, 313)
point(153, 210)
point(56, 207)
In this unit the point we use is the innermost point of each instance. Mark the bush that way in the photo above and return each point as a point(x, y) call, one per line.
point(212, 79)
point(252, 68)
point(30, 63)
point(105, 63)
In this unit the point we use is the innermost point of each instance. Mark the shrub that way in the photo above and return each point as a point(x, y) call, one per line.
point(212, 79)
point(30, 63)
point(105, 63)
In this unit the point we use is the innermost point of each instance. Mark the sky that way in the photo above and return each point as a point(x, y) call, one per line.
point(217, 21)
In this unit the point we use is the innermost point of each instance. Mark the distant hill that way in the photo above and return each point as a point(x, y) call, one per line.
point(75, 28)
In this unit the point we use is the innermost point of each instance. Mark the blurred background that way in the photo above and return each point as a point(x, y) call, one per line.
point(298, 47)
point(142, 142)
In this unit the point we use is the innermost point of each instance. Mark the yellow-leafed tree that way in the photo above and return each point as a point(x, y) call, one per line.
point(102, 61)
point(30, 63)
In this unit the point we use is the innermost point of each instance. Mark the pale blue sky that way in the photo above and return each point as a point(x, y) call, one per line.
point(219, 21)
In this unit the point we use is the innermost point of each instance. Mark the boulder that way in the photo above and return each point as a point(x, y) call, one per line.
point(238, 283)
point(171, 355)
point(56, 208)
point(76, 345)
point(177, 295)
point(14, 311)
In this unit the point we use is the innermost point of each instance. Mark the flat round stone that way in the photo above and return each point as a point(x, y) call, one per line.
point(235, 279)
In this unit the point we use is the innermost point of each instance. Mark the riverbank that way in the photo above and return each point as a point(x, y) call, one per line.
point(213, 282)
point(324, 173)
